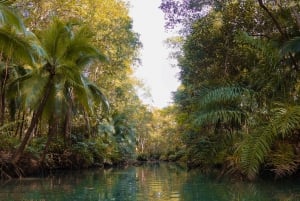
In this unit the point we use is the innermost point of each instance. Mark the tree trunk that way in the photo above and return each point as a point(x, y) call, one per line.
point(22, 126)
point(52, 130)
point(18, 123)
point(88, 127)
point(67, 126)
point(281, 31)
point(2, 102)
point(34, 121)
point(3, 87)
point(2, 106)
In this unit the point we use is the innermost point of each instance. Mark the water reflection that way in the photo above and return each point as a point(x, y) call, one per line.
point(151, 182)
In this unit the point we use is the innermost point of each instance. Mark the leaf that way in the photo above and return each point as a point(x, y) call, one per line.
point(292, 45)
point(256, 146)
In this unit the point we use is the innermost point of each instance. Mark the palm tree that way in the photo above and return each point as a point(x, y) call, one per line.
point(17, 47)
point(283, 121)
point(222, 115)
point(222, 105)
point(67, 52)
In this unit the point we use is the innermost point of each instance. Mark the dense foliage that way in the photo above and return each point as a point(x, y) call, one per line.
point(239, 100)
point(68, 97)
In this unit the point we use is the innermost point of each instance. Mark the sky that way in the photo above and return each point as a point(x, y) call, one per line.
point(156, 71)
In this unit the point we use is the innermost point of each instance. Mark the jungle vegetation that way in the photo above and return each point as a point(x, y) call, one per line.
point(68, 97)
point(238, 105)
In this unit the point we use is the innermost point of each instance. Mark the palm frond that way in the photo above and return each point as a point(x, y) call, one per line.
point(222, 95)
point(98, 96)
point(32, 89)
point(254, 149)
point(38, 51)
point(283, 160)
point(75, 81)
point(81, 50)
point(285, 119)
point(292, 45)
point(10, 17)
point(16, 46)
point(221, 115)
point(223, 104)
point(55, 40)
point(269, 49)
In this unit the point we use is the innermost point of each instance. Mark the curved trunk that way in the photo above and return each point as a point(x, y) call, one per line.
point(281, 31)
point(2, 104)
point(279, 28)
point(88, 127)
point(53, 124)
point(67, 126)
point(68, 117)
point(34, 121)
point(2, 99)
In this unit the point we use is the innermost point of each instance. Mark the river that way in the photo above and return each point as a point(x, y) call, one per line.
point(151, 182)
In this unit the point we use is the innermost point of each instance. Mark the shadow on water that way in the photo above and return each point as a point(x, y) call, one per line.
point(149, 182)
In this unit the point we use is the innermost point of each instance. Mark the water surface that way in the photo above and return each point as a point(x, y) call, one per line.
point(151, 182)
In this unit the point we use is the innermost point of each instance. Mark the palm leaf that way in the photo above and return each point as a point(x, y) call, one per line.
point(55, 40)
point(285, 119)
point(81, 50)
point(75, 81)
point(16, 46)
point(10, 17)
point(268, 49)
point(222, 95)
point(222, 115)
point(254, 150)
point(222, 104)
point(31, 87)
point(292, 45)
point(98, 96)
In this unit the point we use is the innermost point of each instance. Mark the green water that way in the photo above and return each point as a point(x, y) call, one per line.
point(163, 182)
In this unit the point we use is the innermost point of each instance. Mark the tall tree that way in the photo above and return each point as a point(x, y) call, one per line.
point(18, 47)
point(67, 53)
point(232, 74)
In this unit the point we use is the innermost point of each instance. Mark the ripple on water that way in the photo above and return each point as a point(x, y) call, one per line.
point(147, 183)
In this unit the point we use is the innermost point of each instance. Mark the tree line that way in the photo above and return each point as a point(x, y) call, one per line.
point(238, 105)
point(68, 97)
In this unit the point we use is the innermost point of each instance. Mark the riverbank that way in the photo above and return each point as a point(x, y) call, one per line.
point(30, 165)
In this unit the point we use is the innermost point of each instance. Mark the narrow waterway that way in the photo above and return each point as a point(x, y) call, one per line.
point(163, 182)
